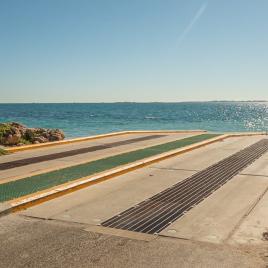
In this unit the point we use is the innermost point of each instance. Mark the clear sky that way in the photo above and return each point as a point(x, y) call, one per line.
point(133, 50)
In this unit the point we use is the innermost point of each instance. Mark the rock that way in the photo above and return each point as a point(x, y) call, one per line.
point(17, 125)
point(40, 139)
point(13, 139)
point(20, 144)
point(17, 134)
point(56, 135)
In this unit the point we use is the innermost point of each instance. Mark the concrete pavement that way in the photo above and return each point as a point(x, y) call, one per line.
point(41, 167)
point(214, 220)
point(29, 242)
point(224, 230)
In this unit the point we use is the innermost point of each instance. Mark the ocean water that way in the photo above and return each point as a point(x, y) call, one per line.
point(78, 120)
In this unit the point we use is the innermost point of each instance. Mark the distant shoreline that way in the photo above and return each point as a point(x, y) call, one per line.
point(137, 102)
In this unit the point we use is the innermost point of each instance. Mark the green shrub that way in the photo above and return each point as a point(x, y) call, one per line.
point(4, 128)
point(24, 141)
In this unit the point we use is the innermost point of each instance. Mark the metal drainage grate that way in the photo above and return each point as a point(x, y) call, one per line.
point(156, 213)
point(38, 159)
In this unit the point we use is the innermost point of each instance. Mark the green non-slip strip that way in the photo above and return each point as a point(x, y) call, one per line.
point(28, 185)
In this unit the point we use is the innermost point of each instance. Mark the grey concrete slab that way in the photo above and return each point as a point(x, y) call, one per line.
point(258, 168)
point(102, 201)
point(203, 157)
point(215, 218)
point(254, 225)
point(70, 239)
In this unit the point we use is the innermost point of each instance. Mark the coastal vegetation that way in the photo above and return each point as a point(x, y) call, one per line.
point(16, 134)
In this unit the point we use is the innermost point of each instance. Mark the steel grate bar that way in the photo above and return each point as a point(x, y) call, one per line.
point(156, 213)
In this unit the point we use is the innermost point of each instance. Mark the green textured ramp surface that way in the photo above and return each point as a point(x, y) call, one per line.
point(44, 181)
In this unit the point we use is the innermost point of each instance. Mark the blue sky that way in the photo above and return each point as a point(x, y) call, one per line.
point(138, 50)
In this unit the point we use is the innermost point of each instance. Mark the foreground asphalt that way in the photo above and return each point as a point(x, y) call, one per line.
point(29, 242)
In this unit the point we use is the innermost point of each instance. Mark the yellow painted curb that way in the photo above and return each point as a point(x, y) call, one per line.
point(69, 141)
point(249, 134)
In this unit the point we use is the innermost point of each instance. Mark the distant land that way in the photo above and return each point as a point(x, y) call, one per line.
point(129, 102)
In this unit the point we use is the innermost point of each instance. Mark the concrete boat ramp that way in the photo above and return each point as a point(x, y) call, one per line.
point(141, 199)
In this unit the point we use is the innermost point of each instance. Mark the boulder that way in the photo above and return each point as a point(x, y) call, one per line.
point(13, 139)
point(15, 134)
point(56, 135)
point(40, 139)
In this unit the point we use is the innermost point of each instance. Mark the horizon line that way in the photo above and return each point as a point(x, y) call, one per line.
point(142, 102)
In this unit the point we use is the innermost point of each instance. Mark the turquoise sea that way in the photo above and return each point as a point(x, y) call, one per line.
point(83, 119)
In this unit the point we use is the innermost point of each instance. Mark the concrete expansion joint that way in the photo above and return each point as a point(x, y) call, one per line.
point(253, 175)
point(174, 169)
point(35, 217)
point(163, 236)
point(57, 221)
point(251, 208)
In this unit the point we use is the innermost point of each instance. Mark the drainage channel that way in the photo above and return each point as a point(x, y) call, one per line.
point(156, 213)
point(38, 159)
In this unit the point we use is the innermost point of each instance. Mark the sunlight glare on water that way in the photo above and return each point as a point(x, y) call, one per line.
point(88, 119)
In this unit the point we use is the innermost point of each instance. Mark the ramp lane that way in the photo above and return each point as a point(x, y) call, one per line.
point(29, 185)
point(156, 213)
point(48, 157)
